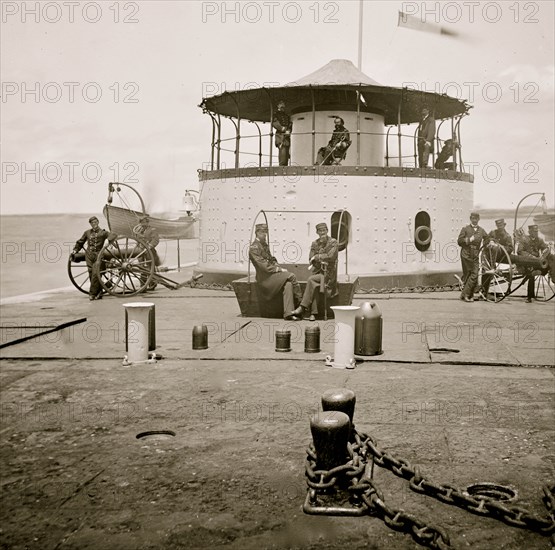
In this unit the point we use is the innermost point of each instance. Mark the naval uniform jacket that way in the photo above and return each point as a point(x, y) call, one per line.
point(501, 237)
point(532, 247)
point(325, 250)
point(282, 123)
point(340, 135)
point(268, 275)
point(95, 241)
point(470, 250)
point(427, 131)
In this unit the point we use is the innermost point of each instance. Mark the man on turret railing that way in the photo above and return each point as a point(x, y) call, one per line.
point(336, 149)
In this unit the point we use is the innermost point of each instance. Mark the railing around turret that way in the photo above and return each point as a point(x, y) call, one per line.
point(400, 149)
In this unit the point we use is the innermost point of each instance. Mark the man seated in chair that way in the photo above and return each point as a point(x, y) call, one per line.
point(533, 246)
point(336, 149)
point(271, 277)
point(323, 262)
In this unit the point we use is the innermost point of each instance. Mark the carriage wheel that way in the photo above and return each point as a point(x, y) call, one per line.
point(495, 273)
point(544, 288)
point(78, 272)
point(126, 267)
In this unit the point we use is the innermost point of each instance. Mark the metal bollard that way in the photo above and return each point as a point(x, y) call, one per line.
point(200, 337)
point(368, 330)
point(344, 350)
point(283, 340)
point(342, 400)
point(138, 314)
point(151, 328)
point(312, 339)
point(330, 434)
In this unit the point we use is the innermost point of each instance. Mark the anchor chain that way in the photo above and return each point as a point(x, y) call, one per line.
point(399, 520)
point(516, 516)
point(368, 497)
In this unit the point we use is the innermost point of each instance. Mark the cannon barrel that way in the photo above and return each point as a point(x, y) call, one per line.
point(526, 261)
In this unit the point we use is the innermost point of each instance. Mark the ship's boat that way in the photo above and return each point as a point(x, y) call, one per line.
point(123, 220)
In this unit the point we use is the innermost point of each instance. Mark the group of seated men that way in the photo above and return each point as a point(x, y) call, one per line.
point(273, 279)
point(472, 237)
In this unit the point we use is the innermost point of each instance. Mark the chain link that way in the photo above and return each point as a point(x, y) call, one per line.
point(480, 505)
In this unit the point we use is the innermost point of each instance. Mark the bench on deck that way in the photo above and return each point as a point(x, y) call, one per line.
point(253, 305)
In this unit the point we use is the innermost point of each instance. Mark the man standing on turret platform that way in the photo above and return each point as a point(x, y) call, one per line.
point(426, 135)
point(470, 239)
point(271, 277)
point(282, 124)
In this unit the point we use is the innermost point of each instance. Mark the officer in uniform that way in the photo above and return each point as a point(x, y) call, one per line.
point(270, 277)
point(470, 239)
point(533, 246)
point(497, 237)
point(500, 236)
point(323, 261)
point(336, 149)
point(282, 124)
point(94, 238)
point(426, 135)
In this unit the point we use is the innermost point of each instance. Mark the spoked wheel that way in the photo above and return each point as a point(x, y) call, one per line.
point(78, 272)
point(544, 288)
point(126, 267)
point(495, 273)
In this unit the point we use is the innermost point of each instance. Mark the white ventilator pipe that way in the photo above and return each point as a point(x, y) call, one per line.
point(137, 333)
point(344, 352)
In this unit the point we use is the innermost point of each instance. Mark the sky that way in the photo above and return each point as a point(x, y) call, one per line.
point(94, 92)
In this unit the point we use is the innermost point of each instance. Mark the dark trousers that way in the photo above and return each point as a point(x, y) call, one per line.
point(292, 295)
point(423, 154)
point(311, 292)
point(95, 287)
point(470, 276)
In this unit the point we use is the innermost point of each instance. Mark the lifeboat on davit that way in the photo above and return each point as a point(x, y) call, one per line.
point(399, 220)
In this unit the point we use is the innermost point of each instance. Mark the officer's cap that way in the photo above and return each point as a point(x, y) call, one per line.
point(475, 215)
point(261, 227)
point(500, 222)
point(532, 228)
point(321, 226)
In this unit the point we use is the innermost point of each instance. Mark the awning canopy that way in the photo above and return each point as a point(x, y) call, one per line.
point(338, 85)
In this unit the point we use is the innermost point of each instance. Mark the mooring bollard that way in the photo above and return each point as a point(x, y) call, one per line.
point(312, 339)
point(151, 328)
point(330, 434)
point(200, 337)
point(368, 330)
point(342, 400)
point(344, 351)
point(137, 336)
point(283, 340)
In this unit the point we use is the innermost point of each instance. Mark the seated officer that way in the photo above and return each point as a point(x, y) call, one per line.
point(533, 246)
point(336, 149)
point(500, 236)
point(323, 261)
point(270, 277)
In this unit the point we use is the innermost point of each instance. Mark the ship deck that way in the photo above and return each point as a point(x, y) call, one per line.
point(466, 391)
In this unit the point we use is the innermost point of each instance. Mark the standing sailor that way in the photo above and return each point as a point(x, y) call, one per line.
point(282, 124)
point(426, 135)
point(94, 238)
point(470, 239)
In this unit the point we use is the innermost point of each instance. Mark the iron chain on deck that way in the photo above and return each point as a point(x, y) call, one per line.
point(367, 499)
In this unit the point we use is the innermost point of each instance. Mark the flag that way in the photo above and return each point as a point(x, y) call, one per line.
point(416, 24)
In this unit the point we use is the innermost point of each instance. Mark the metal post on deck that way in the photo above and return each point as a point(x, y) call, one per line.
point(219, 141)
point(178, 256)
